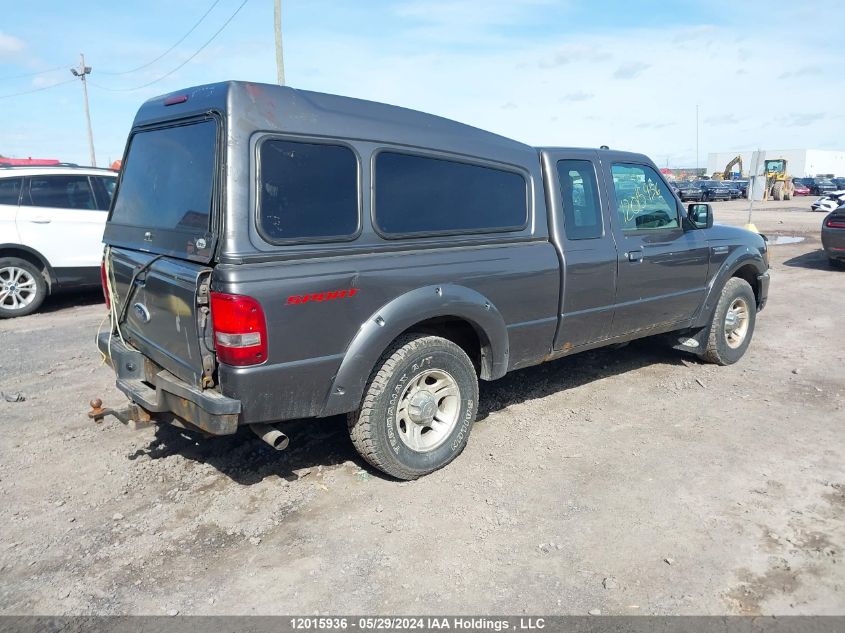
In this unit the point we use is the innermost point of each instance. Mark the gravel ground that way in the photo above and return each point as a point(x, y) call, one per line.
point(632, 481)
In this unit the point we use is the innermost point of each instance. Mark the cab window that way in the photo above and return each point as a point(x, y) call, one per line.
point(580, 199)
point(643, 201)
point(61, 192)
point(10, 189)
point(104, 187)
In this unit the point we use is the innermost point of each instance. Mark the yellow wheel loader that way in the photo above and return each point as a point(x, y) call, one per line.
point(779, 184)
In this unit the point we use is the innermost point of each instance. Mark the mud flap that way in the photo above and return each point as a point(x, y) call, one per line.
point(693, 340)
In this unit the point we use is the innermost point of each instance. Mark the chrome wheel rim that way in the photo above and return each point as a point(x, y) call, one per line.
point(17, 288)
point(428, 410)
point(736, 322)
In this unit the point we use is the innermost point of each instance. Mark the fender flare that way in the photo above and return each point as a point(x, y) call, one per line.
point(51, 274)
point(739, 258)
point(403, 312)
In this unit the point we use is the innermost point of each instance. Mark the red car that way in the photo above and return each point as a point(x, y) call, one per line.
point(800, 188)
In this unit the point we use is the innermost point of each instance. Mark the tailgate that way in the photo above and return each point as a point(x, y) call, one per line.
point(165, 316)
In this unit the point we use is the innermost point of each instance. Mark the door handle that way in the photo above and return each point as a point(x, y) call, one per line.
point(40, 220)
point(635, 256)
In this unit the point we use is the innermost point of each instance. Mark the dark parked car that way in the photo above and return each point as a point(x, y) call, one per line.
point(689, 191)
point(840, 183)
point(820, 186)
point(303, 255)
point(714, 190)
point(800, 188)
point(735, 188)
point(833, 237)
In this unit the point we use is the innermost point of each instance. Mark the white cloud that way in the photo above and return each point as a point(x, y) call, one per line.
point(803, 71)
point(575, 55)
point(722, 119)
point(9, 45)
point(629, 71)
point(577, 96)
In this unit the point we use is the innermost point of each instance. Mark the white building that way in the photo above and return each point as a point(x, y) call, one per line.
point(801, 162)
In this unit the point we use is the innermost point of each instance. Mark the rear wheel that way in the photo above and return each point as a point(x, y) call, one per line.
point(22, 288)
point(732, 325)
point(418, 408)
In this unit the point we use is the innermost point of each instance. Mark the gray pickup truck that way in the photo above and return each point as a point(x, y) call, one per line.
point(274, 254)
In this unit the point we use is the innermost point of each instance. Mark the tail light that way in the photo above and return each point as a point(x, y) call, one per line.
point(240, 329)
point(104, 279)
point(835, 223)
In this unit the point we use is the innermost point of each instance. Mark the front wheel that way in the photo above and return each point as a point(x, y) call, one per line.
point(418, 408)
point(22, 288)
point(732, 325)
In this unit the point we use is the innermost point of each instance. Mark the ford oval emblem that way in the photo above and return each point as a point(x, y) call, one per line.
point(141, 312)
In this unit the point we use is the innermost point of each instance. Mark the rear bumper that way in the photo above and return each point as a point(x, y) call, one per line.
point(164, 396)
point(833, 242)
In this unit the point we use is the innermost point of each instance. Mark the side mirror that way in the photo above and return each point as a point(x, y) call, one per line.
point(701, 215)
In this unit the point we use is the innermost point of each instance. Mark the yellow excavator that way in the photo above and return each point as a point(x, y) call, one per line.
point(779, 185)
point(727, 173)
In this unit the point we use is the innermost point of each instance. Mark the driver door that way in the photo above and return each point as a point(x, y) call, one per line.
point(662, 268)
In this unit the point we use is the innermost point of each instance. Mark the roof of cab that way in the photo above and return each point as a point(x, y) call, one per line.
point(252, 107)
point(612, 154)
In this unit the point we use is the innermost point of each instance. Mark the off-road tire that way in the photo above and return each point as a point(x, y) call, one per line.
point(372, 427)
point(777, 190)
point(41, 290)
point(717, 349)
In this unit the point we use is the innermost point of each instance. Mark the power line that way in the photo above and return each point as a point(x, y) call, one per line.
point(197, 52)
point(26, 92)
point(39, 72)
point(182, 39)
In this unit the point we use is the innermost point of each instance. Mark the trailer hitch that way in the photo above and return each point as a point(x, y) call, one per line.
point(132, 416)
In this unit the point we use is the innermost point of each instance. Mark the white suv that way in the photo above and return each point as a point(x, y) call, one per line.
point(51, 231)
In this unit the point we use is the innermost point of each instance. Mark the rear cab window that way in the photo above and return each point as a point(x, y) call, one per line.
point(579, 197)
point(166, 191)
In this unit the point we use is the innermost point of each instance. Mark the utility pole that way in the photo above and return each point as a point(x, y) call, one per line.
point(696, 141)
point(280, 60)
point(81, 72)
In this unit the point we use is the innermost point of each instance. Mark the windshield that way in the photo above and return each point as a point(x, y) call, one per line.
point(167, 186)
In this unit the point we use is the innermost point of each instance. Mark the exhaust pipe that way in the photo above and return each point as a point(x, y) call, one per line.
point(271, 435)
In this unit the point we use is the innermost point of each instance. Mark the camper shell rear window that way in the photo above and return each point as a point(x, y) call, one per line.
point(166, 193)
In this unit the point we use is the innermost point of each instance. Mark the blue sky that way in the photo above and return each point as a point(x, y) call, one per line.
point(569, 72)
